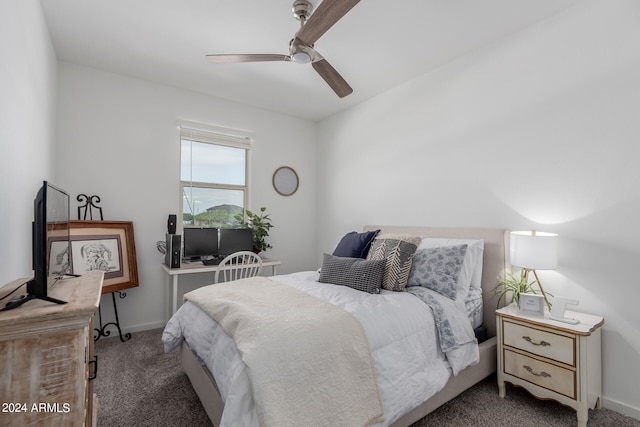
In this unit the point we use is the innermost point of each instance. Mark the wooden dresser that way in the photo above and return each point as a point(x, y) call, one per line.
point(46, 356)
point(551, 359)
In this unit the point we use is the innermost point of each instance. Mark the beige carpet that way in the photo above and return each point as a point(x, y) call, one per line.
point(139, 385)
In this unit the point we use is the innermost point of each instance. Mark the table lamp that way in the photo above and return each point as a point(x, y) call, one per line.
point(534, 250)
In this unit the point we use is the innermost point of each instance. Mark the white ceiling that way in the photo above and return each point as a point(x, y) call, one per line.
point(379, 44)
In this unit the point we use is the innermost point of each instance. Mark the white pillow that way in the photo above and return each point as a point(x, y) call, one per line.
point(471, 272)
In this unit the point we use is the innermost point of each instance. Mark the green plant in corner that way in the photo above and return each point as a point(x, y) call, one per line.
point(515, 284)
point(260, 224)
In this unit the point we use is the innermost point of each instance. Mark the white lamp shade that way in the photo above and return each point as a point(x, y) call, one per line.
point(534, 250)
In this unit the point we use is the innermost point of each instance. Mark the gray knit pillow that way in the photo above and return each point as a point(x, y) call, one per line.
point(357, 273)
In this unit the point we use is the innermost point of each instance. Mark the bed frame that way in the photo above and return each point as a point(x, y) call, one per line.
point(496, 259)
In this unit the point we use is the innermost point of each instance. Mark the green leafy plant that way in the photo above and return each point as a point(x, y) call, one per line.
point(515, 284)
point(260, 224)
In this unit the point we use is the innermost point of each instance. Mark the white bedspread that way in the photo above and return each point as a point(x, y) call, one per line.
point(400, 328)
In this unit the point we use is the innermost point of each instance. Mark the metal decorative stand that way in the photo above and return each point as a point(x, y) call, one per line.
point(102, 332)
point(88, 207)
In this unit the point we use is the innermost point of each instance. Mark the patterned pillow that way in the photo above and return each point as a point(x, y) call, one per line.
point(397, 251)
point(471, 273)
point(357, 273)
point(438, 269)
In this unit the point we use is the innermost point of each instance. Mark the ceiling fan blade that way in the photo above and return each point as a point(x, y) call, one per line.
point(227, 59)
point(331, 76)
point(328, 13)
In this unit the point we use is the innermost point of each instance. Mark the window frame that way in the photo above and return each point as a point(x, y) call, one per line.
point(215, 135)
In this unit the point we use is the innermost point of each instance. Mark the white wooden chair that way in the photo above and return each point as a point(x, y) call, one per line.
point(239, 265)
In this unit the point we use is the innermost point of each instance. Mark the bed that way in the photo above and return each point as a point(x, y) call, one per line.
point(494, 260)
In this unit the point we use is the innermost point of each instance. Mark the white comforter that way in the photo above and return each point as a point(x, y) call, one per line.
point(400, 328)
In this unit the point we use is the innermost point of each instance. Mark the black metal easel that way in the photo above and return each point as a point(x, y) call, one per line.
point(89, 206)
point(102, 332)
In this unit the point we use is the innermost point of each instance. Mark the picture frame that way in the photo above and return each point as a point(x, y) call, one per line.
point(107, 246)
point(531, 305)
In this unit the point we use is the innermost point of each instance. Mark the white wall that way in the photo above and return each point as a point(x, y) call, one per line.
point(27, 127)
point(117, 138)
point(537, 131)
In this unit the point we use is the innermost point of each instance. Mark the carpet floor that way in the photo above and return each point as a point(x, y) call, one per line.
point(139, 385)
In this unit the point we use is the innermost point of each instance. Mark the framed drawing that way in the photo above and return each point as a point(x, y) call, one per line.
point(106, 246)
point(58, 256)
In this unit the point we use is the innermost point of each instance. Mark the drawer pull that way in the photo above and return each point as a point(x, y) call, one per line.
point(94, 362)
point(530, 341)
point(541, 374)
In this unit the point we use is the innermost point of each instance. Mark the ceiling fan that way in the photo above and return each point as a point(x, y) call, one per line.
point(301, 50)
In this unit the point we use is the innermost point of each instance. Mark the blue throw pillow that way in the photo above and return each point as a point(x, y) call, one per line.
point(355, 245)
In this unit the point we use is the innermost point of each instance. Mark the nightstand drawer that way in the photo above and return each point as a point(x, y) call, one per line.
point(546, 344)
point(543, 374)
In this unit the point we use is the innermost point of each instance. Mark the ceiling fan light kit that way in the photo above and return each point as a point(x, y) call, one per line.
point(301, 57)
point(301, 50)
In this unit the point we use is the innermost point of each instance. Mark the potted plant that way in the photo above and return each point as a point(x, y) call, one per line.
point(515, 284)
point(260, 224)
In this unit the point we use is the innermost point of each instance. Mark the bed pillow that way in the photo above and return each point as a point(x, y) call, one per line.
point(397, 250)
point(357, 273)
point(355, 245)
point(471, 274)
point(438, 269)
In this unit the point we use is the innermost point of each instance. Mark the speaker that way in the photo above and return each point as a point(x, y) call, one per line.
point(171, 224)
point(172, 256)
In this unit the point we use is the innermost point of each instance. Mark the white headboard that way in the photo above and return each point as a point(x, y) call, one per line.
point(496, 256)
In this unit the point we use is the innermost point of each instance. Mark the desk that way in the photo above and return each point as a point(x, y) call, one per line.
point(198, 267)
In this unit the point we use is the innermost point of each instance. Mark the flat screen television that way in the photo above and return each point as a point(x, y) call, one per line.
point(199, 243)
point(50, 244)
point(235, 240)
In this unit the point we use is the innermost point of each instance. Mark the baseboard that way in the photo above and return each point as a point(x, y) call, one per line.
point(143, 327)
point(621, 408)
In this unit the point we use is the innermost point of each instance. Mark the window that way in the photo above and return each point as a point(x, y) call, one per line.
point(214, 164)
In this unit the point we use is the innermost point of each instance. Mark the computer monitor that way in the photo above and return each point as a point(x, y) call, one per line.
point(199, 243)
point(235, 240)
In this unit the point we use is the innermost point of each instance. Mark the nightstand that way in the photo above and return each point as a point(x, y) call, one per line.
point(551, 359)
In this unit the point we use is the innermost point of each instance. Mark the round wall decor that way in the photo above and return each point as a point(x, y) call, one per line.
point(285, 181)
